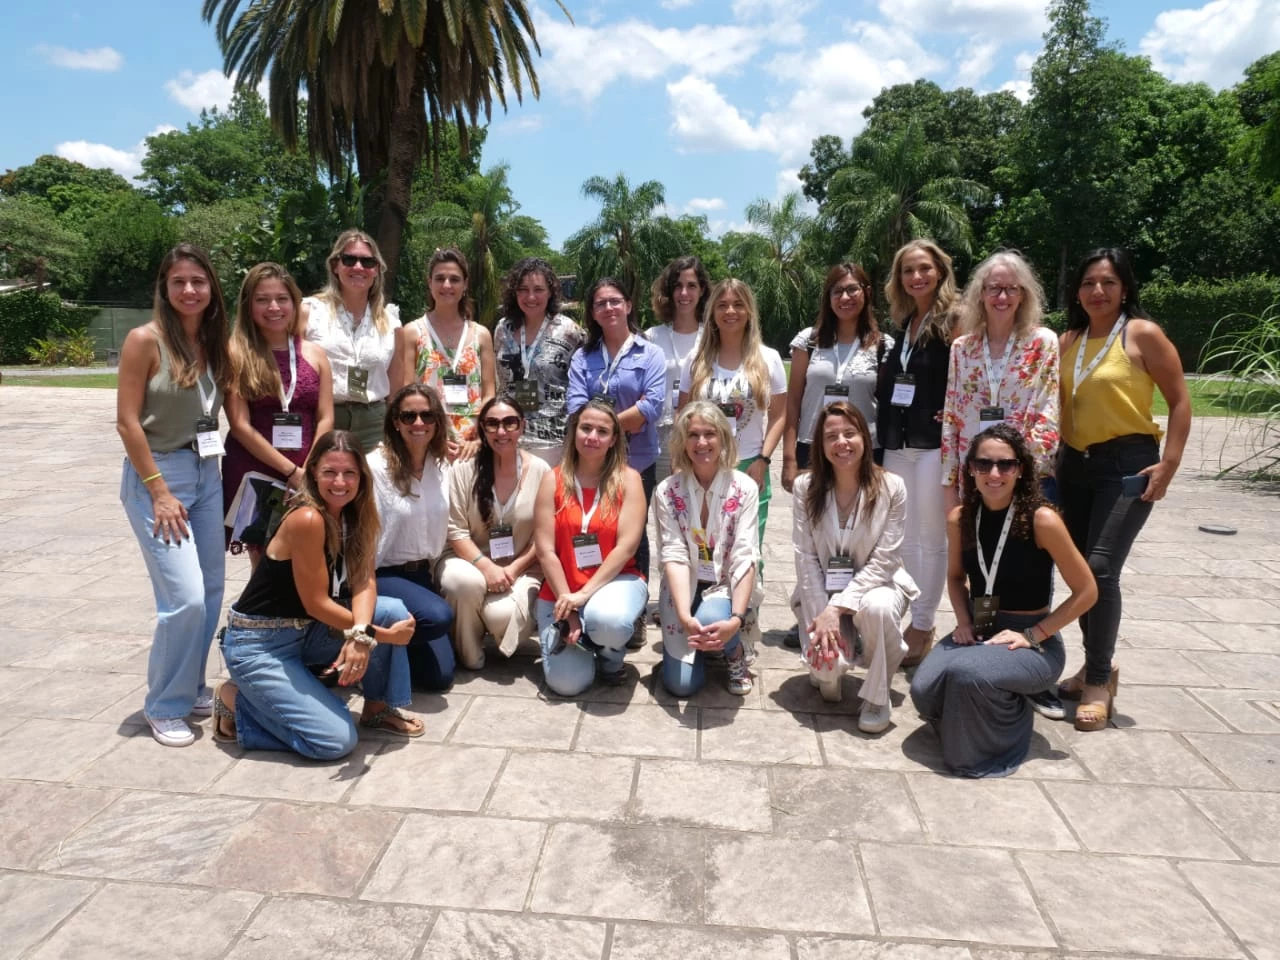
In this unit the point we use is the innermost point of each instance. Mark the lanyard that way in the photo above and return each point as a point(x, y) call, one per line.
point(989, 573)
point(611, 365)
point(502, 508)
point(450, 356)
point(1081, 371)
point(206, 399)
point(909, 344)
point(993, 382)
point(286, 396)
point(843, 364)
point(595, 504)
point(528, 353)
point(671, 337)
point(845, 533)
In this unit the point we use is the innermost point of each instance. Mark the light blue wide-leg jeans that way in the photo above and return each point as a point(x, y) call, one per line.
point(607, 619)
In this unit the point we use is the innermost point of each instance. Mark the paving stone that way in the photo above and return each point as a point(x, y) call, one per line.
point(1246, 898)
point(1171, 610)
point(18, 644)
point(33, 906)
point(133, 763)
point(429, 776)
point(1239, 609)
point(1153, 821)
point(468, 862)
point(639, 730)
point(721, 796)
point(1250, 637)
point(1163, 708)
point(829, 948)
point(762, 736)
point(991, 905)
point(518, 722)
point(1163, 635)
point(618, 872)
point(122, 922)
point(632, 941)
point(988, 813)
point(791, 691)
point(501, 677)
point(54, 749)
point(1166, 667)
point(1250, 820)
point(37, 816)
point(906, 746)
point(714, 692)
point(834, 802)
point(1249, 762)
point(296, 929)
point(1124, 904)
point(1242, 670)
point(806, 885)
point(488, 936)
point(1131, 756)
point(1246, 710)
point(1050, 756)
point(563, 786)
point(86, 651)
point(440, 713)
point(285, 776)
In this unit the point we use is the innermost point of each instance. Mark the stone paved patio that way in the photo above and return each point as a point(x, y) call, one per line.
point(626, 825)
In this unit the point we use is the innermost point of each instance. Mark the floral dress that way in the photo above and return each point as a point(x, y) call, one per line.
point(435, 362)
point(1028, 393)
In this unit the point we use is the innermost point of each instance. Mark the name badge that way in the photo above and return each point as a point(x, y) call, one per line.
point(455, 390)
point(706, 567)
point(904, 390)
point(208, 439)
point(525, 393)
point(839, 573)
point(286, 431)
point(984, 615)
point(675, 396)
point(833, 392)
point(501, 542)
point(730, 411)
point(990, 416)
point(358, 384)
point(586, 551)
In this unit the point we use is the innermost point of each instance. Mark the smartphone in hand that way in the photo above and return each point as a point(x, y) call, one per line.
point(1134, 486)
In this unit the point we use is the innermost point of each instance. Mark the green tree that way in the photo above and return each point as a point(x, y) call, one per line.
point(827, 157)
point(1259, 98)
point(48, 172)
point(34, 244)
point(124, 244)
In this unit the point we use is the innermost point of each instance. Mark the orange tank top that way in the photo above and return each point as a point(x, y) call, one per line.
point(569, 525)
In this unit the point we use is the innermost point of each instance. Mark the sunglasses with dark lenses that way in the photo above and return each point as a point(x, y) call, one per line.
point(984, 465)
point(493, 424)
point(407, 417)
point(350, 260)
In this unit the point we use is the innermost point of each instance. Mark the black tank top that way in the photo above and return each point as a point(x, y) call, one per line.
point(1024, 580)
point(271, 591)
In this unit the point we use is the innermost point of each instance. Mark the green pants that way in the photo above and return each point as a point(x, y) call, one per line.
point(766, 494)
point(365, 420)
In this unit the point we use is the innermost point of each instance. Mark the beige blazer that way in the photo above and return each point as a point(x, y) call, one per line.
point(464, 512)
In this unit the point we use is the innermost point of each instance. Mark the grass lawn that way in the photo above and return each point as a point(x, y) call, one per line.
point(106, 381)
point(1221, 398)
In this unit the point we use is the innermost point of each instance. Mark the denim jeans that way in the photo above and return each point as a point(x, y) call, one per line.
point(607, 621)
point(1103, 524)
point(281, 705)
point(431, 663)
point(685, 679)
point(187, 577)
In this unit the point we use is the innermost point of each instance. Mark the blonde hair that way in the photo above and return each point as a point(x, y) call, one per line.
point(753, 365)
point(332, 292)
point(612, 474)
point(255, 368)
point(1030, 310)
point(707, 412)
point(902, 306)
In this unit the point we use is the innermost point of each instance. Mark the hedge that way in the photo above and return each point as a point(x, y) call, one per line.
point(27, 316)
point(1188, 311)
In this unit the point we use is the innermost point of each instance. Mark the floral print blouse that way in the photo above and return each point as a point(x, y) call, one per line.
point(1028, 392)
point(432, 364)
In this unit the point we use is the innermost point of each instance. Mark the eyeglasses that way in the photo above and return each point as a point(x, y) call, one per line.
point(849, 290)
point(993, 290)
point(611, 303)
point(984, 464)
point(350, 260)
point(408, 417)
point(493, 424)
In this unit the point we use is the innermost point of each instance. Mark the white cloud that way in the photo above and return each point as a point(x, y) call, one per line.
point(99, 58)
point(198, 91)
point(127, 162)
point(974, 61)
point(701, 119)
point(1213, 43)
point(1003, 18)
point(522, 123)
point(1019, 88)
point(703, 205)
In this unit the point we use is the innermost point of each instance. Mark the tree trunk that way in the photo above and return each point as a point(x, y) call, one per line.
point(408, 127)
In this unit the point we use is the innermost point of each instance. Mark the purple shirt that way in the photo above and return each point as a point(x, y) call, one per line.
point(639, 380)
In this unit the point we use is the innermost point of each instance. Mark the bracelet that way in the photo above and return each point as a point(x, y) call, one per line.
point(1030, 635)
point(295, 469)
point(761, 456)
point(155, 476)
point(477, 558)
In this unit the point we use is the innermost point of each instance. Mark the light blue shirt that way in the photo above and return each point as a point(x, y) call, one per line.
point(639, 380)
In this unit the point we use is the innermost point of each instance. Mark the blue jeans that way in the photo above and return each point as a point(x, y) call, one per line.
point(187, 577)
point(281, 705)
point(607, 621)
point(431, 662)
point(685, 679)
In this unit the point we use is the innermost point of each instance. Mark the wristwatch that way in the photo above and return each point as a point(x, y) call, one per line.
point(742, 618)
point(361, 633)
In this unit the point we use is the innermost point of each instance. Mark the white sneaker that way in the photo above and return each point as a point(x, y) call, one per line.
point(874, 717)
point(203, 707)
point(173, 732)
point(739, 674)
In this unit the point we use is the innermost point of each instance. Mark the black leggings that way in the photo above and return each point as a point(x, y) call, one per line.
point(648, 477)
point(1104, 525)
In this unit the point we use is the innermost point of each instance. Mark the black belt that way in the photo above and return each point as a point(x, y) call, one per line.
point(1128, 440)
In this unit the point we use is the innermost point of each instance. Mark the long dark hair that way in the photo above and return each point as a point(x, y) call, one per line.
point(358, 543)
point(1026, 489)
point(866, 328)
point(594, 333)
point(664, 288)
point(511, 312)
point(214, 333)
point(395, 450)
point(482, 486)
point(822, 477)
point(1131, 306)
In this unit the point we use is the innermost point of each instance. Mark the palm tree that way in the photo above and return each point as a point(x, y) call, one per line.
point(897, 189)
point(628, 241)
point(379, 77)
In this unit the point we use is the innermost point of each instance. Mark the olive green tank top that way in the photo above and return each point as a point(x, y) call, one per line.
point(170, 412)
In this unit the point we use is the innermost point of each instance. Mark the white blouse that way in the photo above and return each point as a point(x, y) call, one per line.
point(348, 344)
point(413, 527)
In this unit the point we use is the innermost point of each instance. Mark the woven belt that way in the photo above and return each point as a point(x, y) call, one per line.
point(267, 623)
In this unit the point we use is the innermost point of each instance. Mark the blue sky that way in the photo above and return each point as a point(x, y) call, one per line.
point(717, 99)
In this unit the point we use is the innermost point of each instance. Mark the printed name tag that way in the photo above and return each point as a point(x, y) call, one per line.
point(501, 542)
point(208, 439)
point(358, 384)
point(730, 411)
point(839, 573)
point(706, 567)
point(603, 398)
point(989, 416)
point(675, 396)
point(586, 551)
point(525, 393)
point(984, 614)
point(833, 392)
point(455, 390)
point(286, 431)
point(904, 390)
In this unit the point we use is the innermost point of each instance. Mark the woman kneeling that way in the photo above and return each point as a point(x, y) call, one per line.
point(1003, 543)
point(708, 552)
point(288, 619)
point(851, 588)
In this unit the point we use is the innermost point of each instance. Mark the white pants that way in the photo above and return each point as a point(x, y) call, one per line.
point(507, 616)
point(878, 625)
point(924, 540)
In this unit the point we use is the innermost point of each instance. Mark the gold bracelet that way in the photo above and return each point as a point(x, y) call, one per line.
point(155, 476)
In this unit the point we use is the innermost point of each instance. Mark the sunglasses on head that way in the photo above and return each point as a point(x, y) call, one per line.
point(350, 260)
point(407, 417)
point(984, 465)
point(494, 424)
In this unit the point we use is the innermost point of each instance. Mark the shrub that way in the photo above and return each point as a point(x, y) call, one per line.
point(1249, 347)
point(28, 318)
point(1192, 312)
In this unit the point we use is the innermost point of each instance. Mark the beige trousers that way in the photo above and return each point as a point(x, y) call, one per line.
point(878, 624)
point(507, 616)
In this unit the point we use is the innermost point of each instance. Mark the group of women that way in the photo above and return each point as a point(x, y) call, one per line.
point(445, 484)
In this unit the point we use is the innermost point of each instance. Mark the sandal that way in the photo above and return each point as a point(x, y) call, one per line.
point(222, 714)
point(408, 727)
point(1072, 687)
point(1096, 707)
point(924, 639)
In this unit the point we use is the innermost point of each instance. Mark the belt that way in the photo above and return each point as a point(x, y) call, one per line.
point(359, 403)
point(267, 623)
point(412, 566)
point(1128, 440)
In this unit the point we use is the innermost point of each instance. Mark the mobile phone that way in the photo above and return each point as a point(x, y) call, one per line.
point(562, 628)
point(1134, 486)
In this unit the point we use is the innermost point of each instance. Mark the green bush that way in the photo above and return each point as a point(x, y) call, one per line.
point(27, 317)
point(1189, 311)
point(69, 349)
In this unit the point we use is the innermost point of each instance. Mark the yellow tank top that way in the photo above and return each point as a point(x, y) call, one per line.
point(1113, 401)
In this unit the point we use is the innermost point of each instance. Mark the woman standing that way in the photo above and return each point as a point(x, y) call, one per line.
point(851, 588)
point(1003, 370)
point(709, 552)
point(411, 489)
point(838, 358)
point(290, 618)
point(679, 299)
point(449, 352)
point(283, 393)
point(974, 687)
point(590, 515)
point(909, 399)
point(533, 343)
point(490, 573)
point(734, 369)
point(1112, 357)
point(357, 329)
point(173, 371)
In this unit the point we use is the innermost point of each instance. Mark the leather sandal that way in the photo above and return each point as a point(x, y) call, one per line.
point(1096, 706)
point(224, 719)
point(1072, 687)
point(919, 643)
point(392, 721)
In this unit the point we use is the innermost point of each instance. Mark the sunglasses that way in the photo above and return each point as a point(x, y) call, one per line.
point(493, 424)
point(984, 465)
point(350, 260)
point(407, 417)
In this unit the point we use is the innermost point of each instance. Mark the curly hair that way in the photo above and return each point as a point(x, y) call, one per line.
point(1026, 489)
point(512, 315)
point(664, 288)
